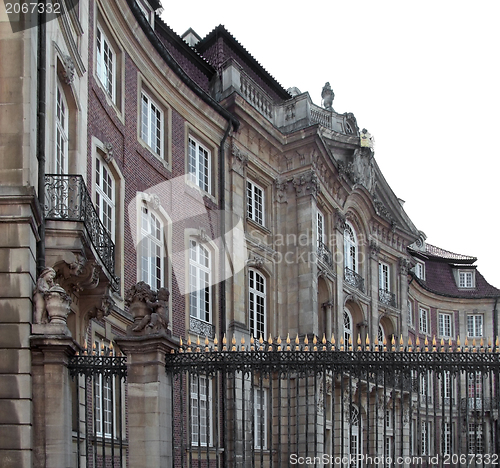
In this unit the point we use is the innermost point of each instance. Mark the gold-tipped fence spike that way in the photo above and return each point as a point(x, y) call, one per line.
point(367, 341)
point(206, 341)
point(242, 340)
point(426, 342)
point(481, 343)
point(261, 340)
point(474, 342)
point(288, 338)
point(233, 340)
point(324, 339)
point(278, 340)
point(434, 340)
point(270, 339)
point(315, 340)
point(497, 343)
point(224, 339)
point(466, 342)
point(401, 342)
point(333, 340)
point(189, 341)
point(306, 341)
point(393, 340)
point(297, 339)
point(216, 341)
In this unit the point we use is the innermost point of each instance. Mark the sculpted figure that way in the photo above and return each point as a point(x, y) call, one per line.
point(43, 285)
point(157, 319)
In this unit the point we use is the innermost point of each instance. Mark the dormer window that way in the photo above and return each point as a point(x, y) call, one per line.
point(466, 279)
point(146, 10)
point(420, 271)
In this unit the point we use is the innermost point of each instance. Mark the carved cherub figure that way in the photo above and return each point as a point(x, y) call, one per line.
point(43, 285)
point(159, 318)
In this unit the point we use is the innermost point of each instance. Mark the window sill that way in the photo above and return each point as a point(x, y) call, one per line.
point(257, 225)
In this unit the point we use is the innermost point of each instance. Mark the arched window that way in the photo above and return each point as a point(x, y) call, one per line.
point(355, 442)
point(199, 281)
point(347, 327)
point(62, 132)
point(350, 248)
point(381, 334)
point(257, 303)
point(151, 249)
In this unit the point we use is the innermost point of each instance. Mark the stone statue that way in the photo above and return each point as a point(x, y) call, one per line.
point(159, 317)
point(43, 285)
point(327, 95)
point(154, 316)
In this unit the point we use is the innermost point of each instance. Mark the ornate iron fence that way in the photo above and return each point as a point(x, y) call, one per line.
point(67, 199)
point(325, 254)
point(354, 279)
point(282, 403)
point(387, 297)
point(99, 432)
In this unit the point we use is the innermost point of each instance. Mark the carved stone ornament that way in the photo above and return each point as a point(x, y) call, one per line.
point(255, 261)
point(381, 209)
point(340, 220)
point(404, 265)
point(67, 74)
point(281, 185)
point(374, 249)
point(360, 168)
point(328, 304)
point(290, 111)
point(51, 301)
point(306, 184)
point(104, 309)
point(366, 139)
point(327, 95)
point(202, 234)
point(240, 161)
point(78, 275)
point(108, 152)
point(148, 308)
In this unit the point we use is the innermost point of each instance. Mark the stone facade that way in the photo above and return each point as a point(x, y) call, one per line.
point(245, 208)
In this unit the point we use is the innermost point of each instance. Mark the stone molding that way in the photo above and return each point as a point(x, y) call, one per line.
point(240, 161)
point(306, 183)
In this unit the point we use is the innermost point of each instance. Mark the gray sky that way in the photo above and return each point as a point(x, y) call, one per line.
point(422, 77)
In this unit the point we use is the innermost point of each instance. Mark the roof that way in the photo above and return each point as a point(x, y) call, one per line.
point(440, 279)
point(437, 253)
point(221, 32)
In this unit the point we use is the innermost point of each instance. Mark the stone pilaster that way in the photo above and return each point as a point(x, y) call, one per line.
point(149, 402)
point(52, 405)
point(373, 289)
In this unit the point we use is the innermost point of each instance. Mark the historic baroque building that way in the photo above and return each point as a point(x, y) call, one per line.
point(140, 167)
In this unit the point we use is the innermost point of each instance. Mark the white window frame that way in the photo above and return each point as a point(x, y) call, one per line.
point(445, 325)
point(425, 437)
point(205, 413)
point(199, 165)
point(446, 442)
point(320, 228)
point(105, 196)
point(106, 67)
point(475, 439)
point(200, 281)
point(151, 249)
point(109, 390)
point(151, 112)
point(380, 334)
point(409, 319)
point(420, 271)
point(257, 304)
point(255, 203)
point(384, 277)
point(475, 325)
point(423, 320)
point(348, 331)
point(62, 132)
point(466, 279)
point(260, 411)
point(355, 431)
point(350, 248)
point(426, 387)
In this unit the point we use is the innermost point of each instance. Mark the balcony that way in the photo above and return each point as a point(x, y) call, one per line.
point(67, 199)
point(325, 254)
point(476, 404)
point(201, 328)
point(386, 297)
point(354, 279)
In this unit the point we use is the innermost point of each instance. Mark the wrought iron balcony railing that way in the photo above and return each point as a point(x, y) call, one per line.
point(201, 328)
point(67, 199)
point(354, 279)
point(325, 254)
point(386, 297)
point(476, 404)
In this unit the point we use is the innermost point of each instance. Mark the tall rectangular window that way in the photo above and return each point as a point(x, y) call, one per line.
point(151, 249)
point(409, 318)
point(61, 157)
point(199, 165)
point(474, 326)
point(446, 439)
point(383, 277)
point(105, 197)
point(320, 228)
point(255, 203)
point(423, 320)
point(104, 397)
point(445, 325)
point(106, 64)
point(475, 441)
point(152, 124)
point(425, 438)
point(199, 281)
point(200, 410)
point(260, 418)
point(257, 303)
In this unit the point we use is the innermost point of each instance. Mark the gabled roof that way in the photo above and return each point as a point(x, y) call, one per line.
point(220, 32)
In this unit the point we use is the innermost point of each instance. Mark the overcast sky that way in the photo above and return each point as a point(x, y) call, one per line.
point(422, 77)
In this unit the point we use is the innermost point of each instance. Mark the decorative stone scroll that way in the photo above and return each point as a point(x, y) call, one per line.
point(240, 161)
point(108, 152)
point(148, 308)
point(281, 185)
point(255, 261)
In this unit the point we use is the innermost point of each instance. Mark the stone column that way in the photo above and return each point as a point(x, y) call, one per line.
point(52, 406)
point(374, 290)
point(149, 402)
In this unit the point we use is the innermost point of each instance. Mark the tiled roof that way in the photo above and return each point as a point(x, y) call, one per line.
point(434, 251)
point(439, 277)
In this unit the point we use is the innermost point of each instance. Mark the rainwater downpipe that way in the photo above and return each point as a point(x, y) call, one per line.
point(40, 140)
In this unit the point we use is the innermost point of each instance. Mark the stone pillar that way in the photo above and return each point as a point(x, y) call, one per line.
point(149, 402)
point(52, 405)
point(373, 291)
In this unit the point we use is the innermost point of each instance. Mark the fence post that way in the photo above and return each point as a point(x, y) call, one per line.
point(149, 405)
point(52, 400)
